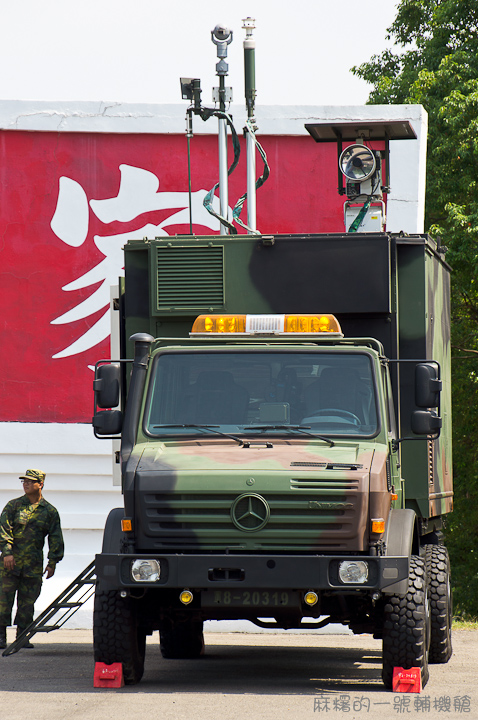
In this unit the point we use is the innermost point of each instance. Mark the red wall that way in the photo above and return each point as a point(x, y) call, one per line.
point(300, 196)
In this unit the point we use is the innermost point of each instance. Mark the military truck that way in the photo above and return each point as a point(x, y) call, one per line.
point(285, 426)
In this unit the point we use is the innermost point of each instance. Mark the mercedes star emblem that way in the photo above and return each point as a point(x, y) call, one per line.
point(250, 512)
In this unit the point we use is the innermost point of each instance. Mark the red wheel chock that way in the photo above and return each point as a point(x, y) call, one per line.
point(108, 676)
point(409, 681)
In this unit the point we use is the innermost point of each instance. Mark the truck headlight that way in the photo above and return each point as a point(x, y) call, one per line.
point(145, 570)
point(353, 571)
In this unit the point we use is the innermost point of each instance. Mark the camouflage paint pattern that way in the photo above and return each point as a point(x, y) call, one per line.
point(172, 280)
point(424, 308)
point(184, 490)
point(317, 496)
point(439, 348)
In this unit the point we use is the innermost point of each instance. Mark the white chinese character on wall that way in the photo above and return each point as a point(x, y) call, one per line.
point(138, 194)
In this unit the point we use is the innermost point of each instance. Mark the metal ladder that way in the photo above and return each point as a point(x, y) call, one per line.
point(66, 602)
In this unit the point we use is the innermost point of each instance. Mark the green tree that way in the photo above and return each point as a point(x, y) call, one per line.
point(435, 63)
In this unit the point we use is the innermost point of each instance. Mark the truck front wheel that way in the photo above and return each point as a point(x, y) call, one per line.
point(181, 638)
point(117, 636)
point(439, 589)
point(406, 627)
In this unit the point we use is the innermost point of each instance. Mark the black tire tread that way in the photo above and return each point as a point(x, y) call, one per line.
point(115, 634)
point(405, 633)
point(438, 576)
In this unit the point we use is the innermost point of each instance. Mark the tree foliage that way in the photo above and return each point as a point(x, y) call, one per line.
point(435, 63)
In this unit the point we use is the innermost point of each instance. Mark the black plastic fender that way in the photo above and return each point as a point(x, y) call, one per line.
point(399, 542)
point(113, 533)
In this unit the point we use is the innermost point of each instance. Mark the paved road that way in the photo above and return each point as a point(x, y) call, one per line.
point(267, 676)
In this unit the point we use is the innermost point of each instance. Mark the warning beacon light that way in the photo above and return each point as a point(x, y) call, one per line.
point(309, 324)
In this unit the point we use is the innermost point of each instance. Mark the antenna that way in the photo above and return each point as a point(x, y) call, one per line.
point(249, 66)
point(250, 128)
point(191, 90)
point(222, 37)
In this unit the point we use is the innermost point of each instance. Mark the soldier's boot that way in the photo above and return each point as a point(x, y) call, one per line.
point(3, 637)
point(27, 644)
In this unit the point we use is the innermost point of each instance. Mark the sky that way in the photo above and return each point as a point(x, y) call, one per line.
point(125, 51)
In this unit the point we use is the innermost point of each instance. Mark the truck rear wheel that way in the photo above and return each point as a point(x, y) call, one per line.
point(181, 638)
point(117, 636)
point(406, 627)
point(441, 604)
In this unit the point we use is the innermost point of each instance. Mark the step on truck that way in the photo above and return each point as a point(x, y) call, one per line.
point(284, 409)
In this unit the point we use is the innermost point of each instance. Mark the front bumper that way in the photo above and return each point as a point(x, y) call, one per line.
point(278, 572)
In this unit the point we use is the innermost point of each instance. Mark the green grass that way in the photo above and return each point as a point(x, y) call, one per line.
point(459, 624)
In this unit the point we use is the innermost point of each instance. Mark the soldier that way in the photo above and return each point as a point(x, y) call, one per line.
point(24, 524)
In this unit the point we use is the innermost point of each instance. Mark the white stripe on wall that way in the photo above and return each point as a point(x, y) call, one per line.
point(78, 483)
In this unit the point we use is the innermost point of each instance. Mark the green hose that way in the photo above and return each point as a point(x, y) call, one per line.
point(360, 217)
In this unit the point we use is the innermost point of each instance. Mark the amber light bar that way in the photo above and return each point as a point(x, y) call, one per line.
point(294, 324)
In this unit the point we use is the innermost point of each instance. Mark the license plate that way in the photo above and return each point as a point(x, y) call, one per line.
point(249, 598)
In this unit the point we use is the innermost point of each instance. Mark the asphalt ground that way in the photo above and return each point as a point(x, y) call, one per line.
point(241, 675)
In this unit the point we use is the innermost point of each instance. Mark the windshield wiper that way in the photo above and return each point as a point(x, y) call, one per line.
point(297, 428)
point(211, 428)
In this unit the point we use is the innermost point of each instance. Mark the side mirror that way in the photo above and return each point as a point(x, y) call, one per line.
point(108, 423)
point(107, 384)
point(427, 385)
point(426, 422)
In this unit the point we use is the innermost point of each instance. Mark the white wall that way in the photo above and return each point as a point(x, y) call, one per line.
point(78, 483)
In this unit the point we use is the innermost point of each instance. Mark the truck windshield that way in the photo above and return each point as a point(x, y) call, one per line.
point(252, 392)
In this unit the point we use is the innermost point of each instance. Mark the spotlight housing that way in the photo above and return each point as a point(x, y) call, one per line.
point(357, 163)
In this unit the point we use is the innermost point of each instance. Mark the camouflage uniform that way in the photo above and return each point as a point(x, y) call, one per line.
point(23, 528)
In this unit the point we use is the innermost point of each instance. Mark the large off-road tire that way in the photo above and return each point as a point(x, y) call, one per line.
point(406, 627)
point(181, 639)
point(441, 604)
point(117, 636)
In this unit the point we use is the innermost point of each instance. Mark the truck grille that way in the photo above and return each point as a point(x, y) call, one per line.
point(316, 516)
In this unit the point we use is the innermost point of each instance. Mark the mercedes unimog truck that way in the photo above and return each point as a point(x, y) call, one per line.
point(283, 404)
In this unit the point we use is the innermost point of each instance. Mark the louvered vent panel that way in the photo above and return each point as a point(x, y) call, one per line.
point(190, 277)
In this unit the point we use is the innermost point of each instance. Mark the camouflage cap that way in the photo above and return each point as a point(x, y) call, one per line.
point(35, 475)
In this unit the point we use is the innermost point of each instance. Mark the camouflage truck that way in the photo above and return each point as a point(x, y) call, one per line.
point(285, 456)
